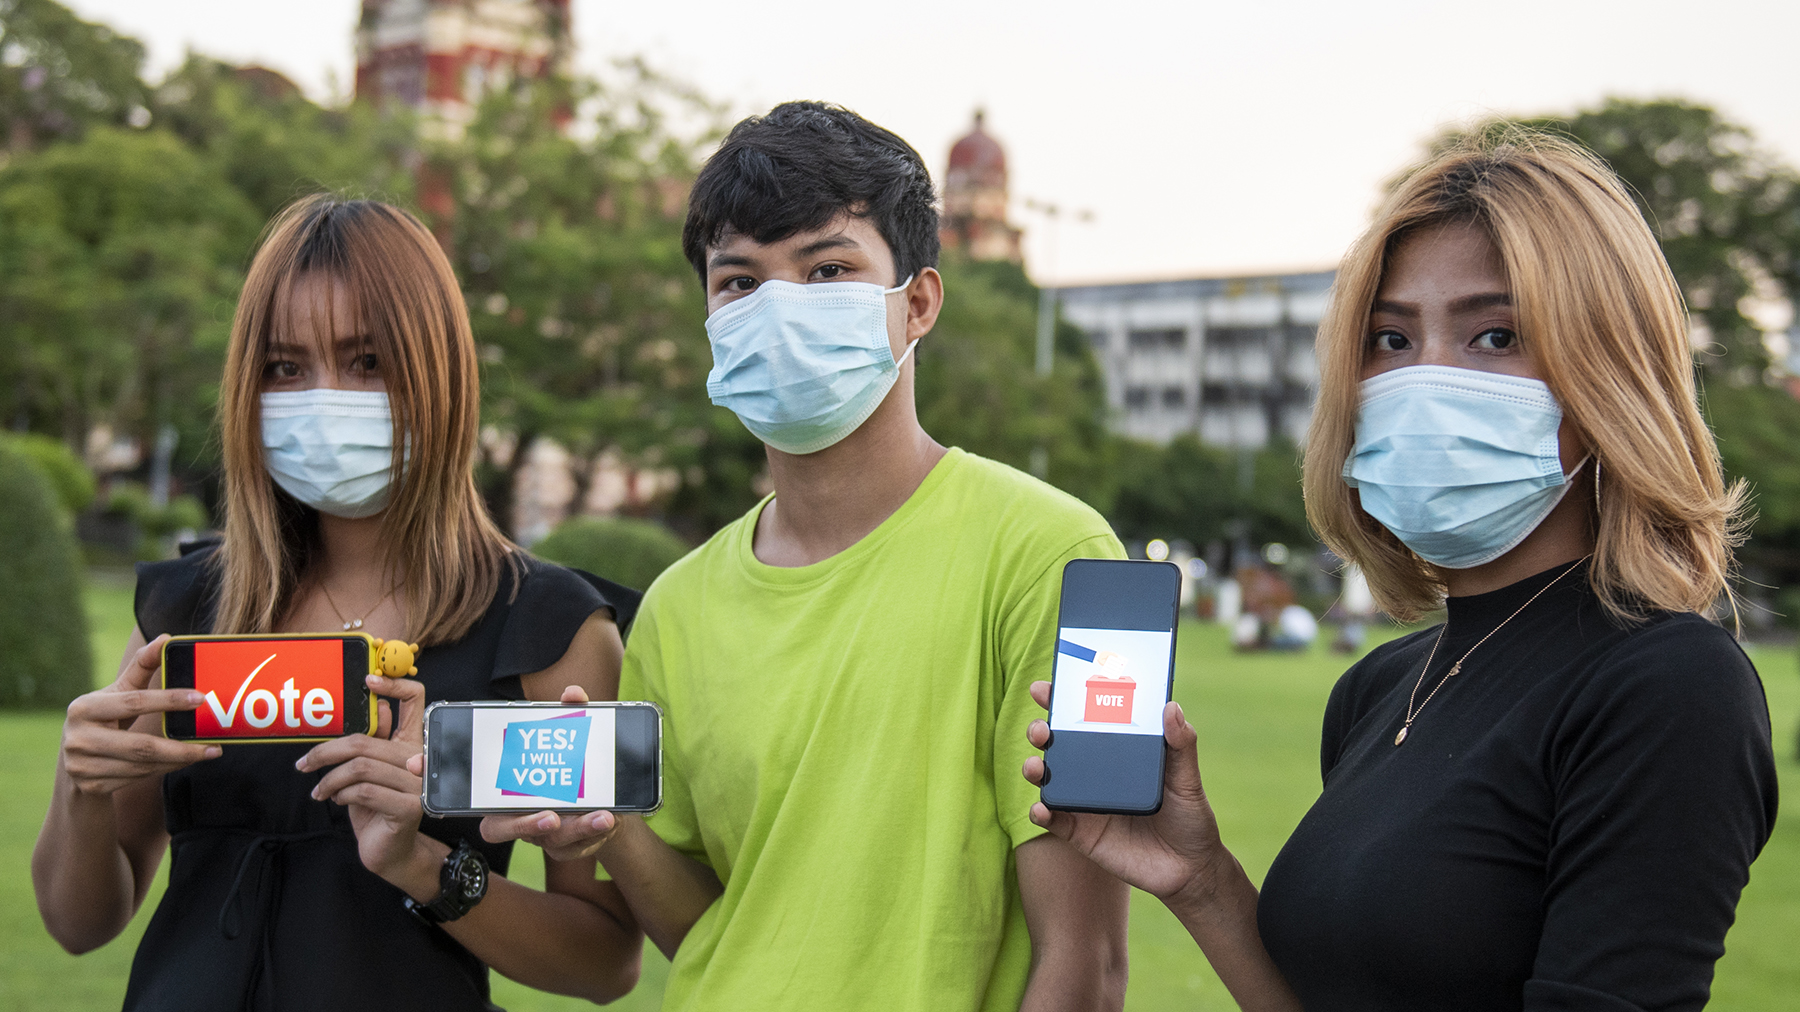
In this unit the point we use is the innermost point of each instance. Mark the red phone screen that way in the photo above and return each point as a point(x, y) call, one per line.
point(269, 688)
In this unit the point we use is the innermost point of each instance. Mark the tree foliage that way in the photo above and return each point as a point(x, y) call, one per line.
point(1726, 211)
point(119, 259)
point(591, 322)
point(273, 145)
point(977, 385)
point(60, 75)
point(1201, 493)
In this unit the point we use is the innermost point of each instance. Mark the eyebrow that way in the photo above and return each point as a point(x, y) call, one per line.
point(1484, 300)
point(728, 260)
point(830, 242)
point(281, 346)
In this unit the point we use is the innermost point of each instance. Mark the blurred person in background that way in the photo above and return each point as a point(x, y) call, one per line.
point(1551, 801)
point(306, 877)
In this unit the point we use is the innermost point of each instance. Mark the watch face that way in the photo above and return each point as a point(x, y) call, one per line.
point(471, 878)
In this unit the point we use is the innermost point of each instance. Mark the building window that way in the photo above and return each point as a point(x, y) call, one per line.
point(1160, 339)
point(1174, 397)
point(1238, 337)
point(1137, 397)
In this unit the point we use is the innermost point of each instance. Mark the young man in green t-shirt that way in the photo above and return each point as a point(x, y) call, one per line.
point(844, 671)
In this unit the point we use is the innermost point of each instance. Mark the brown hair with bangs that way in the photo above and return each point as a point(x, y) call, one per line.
point(1603, 322)
point(444, 550)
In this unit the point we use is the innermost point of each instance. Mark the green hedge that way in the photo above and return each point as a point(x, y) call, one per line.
point(622, 549)
point(69, 477)
point(44, 653)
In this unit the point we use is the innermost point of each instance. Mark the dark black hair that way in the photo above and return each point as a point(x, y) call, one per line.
point(800, 166)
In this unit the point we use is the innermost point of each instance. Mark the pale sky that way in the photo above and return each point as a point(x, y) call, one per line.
point(1216, 138)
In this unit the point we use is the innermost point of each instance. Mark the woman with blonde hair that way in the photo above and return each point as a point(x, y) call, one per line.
point(1551, 800)
point(307, 878)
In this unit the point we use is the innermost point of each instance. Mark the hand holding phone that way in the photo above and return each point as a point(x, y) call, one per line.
point(107, 744)
point(1174, 854)
point(370, 775)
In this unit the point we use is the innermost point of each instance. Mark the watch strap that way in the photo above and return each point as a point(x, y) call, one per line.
point(453, 899)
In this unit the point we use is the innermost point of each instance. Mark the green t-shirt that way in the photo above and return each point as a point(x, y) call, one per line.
point(842, 744)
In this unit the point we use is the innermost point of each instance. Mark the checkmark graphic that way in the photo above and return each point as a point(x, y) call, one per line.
point(225, 717)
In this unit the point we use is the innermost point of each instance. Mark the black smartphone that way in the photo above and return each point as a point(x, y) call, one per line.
point(1114, 670)
point(498, 758)
point(301, 687)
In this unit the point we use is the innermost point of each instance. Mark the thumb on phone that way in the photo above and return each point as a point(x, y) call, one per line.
point(408, 724)
point(144, 665)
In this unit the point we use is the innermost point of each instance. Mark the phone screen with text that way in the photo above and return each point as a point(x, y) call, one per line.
point(493, 757)
point(553, 760)
point(275, 688)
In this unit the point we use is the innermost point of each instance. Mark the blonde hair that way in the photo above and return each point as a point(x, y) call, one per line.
point(446, 552)
point(1604, 323)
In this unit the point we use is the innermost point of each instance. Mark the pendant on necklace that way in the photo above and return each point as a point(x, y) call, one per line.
point(355, 623)
point(1401, 736)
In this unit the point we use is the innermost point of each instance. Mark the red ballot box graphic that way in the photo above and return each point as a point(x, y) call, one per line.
point(1109, 699)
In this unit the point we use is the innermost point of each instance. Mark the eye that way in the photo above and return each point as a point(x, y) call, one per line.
point(281, 370)
point(829, 272)
point(366, 362)
point(741, 283)
point(1495, 339)
point(1389, 340)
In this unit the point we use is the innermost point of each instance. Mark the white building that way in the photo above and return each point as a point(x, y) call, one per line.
point(1230, 359)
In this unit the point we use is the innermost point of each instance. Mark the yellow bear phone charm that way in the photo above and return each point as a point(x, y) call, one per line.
point(395, 658)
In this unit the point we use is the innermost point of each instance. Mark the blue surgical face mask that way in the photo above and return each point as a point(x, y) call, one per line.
point(1459, 464)
point(331, 449)
point(802, 366)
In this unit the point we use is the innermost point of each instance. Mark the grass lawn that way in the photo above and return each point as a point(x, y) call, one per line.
point(1259, 723)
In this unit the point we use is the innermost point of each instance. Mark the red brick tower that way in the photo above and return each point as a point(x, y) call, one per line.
point(975, 198)
point(440, 56)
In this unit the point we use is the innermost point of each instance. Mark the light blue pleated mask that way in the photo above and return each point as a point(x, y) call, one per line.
point(331, 449)
point(802, 366)
point(1460, 464)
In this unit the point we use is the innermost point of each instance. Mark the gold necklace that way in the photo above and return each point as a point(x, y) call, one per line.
point(351, 624)
point(1412, 714)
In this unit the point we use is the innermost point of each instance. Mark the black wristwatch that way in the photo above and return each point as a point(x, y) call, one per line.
point(462, 882)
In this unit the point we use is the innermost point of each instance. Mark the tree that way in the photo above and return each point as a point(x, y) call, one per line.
point(60, 75)
point(568, 199)
point(1198, 493)
point(978, 387)
point(120, 255)
point(273, 145)
point(1726, 212)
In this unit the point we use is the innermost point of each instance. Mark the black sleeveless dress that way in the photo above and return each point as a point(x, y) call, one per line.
point(268, 905)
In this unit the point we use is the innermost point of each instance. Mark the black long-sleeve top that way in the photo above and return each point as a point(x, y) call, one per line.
point(1568, 824)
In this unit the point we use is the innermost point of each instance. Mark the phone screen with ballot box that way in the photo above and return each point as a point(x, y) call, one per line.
point(1115, 664)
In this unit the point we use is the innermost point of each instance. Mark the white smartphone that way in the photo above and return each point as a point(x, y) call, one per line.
point(500, 758)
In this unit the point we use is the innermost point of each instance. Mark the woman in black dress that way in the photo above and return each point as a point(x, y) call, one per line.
point(307, 878)
point(1552, 800)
